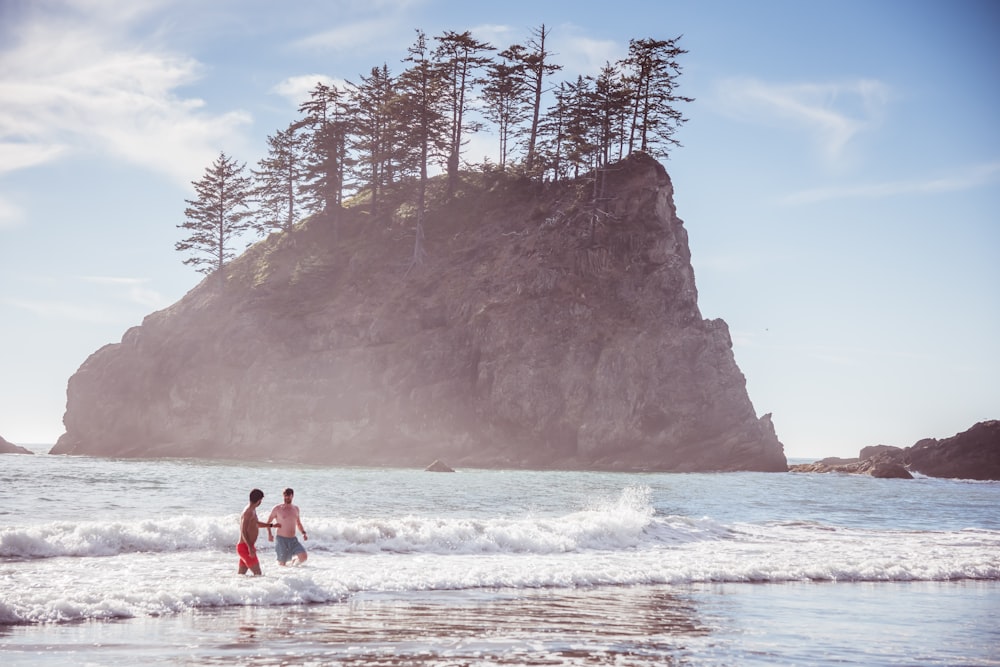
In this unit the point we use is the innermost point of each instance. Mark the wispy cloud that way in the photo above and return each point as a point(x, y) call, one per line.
point(78, 80)
point(134, 290)
point(368, 33)
point(296, 89)
point(113, 300)
point(365, 26)
point(579, 54)
point(832, 113)
point(16, 155)
point(967, 179)
point(499, 35)
point(71, 311)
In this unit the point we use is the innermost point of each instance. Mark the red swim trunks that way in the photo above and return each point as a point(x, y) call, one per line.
point(248, 559)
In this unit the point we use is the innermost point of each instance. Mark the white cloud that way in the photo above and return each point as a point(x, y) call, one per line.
point(346, 37)
point(16, 155)
point(296, 89)
point(135, 290)
point(78, 81)
point(833, 113)
point(499, 35)
point(968, 179)
point(64, 310)
point(390, 22)
point(579, 55)
point(98, 307)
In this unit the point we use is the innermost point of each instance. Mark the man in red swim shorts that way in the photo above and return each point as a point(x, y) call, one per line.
point(250, 527)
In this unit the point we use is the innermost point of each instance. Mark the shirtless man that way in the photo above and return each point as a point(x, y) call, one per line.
point(249, 529)
point(287, 548)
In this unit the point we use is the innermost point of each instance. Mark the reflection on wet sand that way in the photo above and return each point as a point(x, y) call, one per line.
point(621, 625)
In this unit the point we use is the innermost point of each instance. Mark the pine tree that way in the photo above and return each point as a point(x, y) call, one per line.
point(220, 214)
point(279, 181)
point(535, 66)
point(610, 99)
point(375, 133)
point(581, 127)
point(653, 79)
point(329, 126)
point(459, 57)
point(503, 95)
point(420, 88)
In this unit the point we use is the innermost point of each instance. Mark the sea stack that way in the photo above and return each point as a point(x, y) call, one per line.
point(551, 326)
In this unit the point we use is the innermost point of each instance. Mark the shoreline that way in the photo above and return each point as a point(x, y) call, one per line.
point(698, 624)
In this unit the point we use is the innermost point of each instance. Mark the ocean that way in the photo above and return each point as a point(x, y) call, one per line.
point(132, 562)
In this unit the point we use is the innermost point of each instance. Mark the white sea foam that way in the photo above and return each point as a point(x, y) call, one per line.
point(618, 524)
point(131, 545)
point(108, 538)
point(149, 568)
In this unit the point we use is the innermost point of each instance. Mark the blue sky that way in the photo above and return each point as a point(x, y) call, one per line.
point(839, 179)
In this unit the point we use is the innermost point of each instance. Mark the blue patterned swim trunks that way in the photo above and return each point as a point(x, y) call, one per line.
point(286, 547)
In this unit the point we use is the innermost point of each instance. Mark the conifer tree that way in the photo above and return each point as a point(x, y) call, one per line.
point(610, 101)
point(582, 146)
point(503, 103)
point(375, 132)
point(279, 181)
point(421, 90)
point(535, 66)
point(653, 79)
point(218, 216)
point(459, 57)
point(329, 126)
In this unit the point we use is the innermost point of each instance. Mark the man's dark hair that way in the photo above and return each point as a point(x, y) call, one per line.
point(289, 492)
point(256, 495)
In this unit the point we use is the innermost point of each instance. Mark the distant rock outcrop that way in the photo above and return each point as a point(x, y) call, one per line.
point(880, 464)
point(11, 448)
point(439, 466)
point(543, 328)
point(972, 454)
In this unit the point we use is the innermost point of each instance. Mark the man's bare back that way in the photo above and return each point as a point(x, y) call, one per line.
point(250, 525)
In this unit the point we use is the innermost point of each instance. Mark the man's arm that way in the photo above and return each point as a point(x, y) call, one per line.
point(270, 518)
point(298, 520)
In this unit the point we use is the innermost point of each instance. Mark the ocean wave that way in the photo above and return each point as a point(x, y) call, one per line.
point(144, 585)
point(66, 571)
point(621, 523)
point(626, 523)
point(109, 538)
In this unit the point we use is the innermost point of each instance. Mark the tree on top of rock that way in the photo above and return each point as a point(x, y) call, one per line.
point(460, 58)
point(654, 74)
point(535, 64)
point(328, 124)
point(280, 181)
point(421, 85)
point(220, 214)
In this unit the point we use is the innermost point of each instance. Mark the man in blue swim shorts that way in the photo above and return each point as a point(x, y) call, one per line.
point(287, 547)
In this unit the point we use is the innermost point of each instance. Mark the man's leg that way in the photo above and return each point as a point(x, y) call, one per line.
point(242, 553)
point(280, 551)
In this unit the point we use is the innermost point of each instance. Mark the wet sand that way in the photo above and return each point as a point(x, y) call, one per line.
point(921, 623)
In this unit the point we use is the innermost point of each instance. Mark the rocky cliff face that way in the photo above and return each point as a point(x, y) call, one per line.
point(535, 333)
